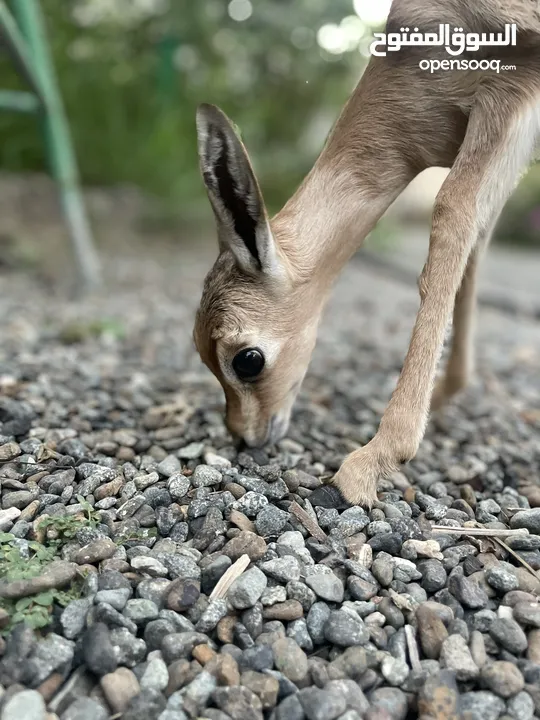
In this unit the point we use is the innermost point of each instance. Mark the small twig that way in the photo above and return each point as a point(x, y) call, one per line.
point(414, 657)
point(236, 569)
point(310, 524)
point(518, 558)
point(489, 532)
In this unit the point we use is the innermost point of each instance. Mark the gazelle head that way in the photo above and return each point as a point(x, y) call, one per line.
point(257, 321)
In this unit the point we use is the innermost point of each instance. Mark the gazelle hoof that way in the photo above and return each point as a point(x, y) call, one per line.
point(328, 496)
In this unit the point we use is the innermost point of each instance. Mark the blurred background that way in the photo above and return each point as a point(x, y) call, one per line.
point(132, 72)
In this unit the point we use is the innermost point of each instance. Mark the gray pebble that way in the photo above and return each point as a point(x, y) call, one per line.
point(501, 579)
point(117, 598)
point(468, 592)
point(73, 617)
point(127, 649)
point(98, 651)
point(282, 569)
point(258, 658)
point(392, 700)
point(270, 521)
point(85, 708)
point(168, 466)
point(216, 610)
point(327, 587)
point(456, 656)
point(205, 476)
point(27, 705)
point(298, 631)
point(148, 704)
point(482, 705)
point(521, 706)
point(433, 575)
point(290, 659)
point(527, 613)
point(529, 519)
point(156, 675)
point(290, 709)
point(247, 589)
point(394, 670)
point(509, 635)
point(178, 485)
point(251, 503)
point(316, 621)
point(322, 704)
point(344, 629)
point(141, 611)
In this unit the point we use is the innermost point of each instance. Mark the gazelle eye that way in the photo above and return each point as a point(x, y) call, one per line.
point(248, 364)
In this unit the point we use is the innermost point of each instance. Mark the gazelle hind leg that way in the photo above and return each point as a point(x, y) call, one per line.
point(460, 364)
point(460, 360)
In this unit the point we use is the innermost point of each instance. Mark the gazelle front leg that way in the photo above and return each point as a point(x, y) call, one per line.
point(403, 423)
point(486, 170)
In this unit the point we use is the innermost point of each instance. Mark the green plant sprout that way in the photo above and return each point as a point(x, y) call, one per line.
point(16, 564)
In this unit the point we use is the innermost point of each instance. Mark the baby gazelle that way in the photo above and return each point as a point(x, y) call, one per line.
point(257, 322)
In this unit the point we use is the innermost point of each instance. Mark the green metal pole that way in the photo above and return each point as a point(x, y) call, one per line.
point(16, 46)
point(64, 166)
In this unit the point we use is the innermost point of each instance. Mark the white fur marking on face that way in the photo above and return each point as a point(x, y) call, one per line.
point(270, 348)
point(250, 415)
point(271, 263)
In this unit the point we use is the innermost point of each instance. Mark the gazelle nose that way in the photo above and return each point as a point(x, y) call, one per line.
point(240, 444)
point(237, 440)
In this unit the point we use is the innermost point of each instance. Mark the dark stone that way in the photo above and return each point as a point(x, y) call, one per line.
point(148, 705)
point(98, 651)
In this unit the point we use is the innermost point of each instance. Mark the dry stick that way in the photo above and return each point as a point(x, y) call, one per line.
point(310, 524)
point(222, 588)
point(414, 657)
point(489, 532)
point(518, 558)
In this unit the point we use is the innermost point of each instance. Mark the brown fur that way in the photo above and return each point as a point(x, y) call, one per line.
point(398, 122)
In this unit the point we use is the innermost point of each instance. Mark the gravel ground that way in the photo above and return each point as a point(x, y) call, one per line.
point(115, 459)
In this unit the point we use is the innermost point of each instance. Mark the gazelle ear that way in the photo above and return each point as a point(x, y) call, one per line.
point(234, 194)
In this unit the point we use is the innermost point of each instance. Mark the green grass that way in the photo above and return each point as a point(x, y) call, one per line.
point(35, 610)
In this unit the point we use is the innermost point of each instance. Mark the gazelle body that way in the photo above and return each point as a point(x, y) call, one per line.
point(257, 322)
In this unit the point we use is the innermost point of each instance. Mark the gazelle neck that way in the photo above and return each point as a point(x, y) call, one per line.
point(327, 219)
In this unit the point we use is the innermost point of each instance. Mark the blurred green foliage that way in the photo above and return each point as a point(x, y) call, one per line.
point(520, 221)
point(133, 71)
